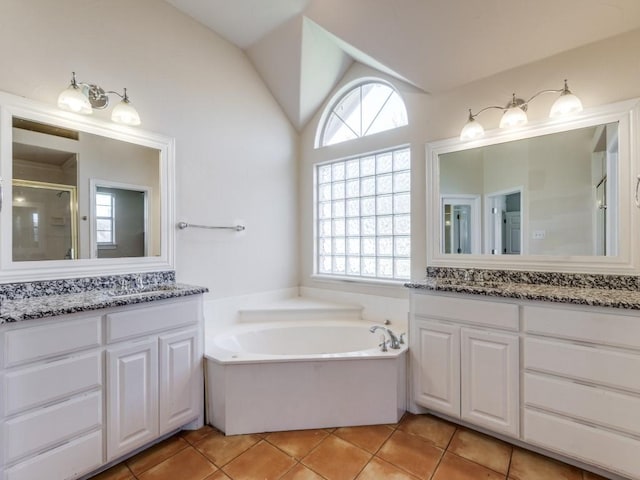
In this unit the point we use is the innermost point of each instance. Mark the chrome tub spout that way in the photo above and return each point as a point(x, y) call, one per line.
point(393, 339)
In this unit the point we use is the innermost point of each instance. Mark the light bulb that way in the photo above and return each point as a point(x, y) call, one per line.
point(566, 104)
point(513, 117)
point(472, 130)
point(73, 100)
point(125, 113)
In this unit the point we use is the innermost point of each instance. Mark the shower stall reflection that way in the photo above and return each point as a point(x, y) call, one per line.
point(44, 221)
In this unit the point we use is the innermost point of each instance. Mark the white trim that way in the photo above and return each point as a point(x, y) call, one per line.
point(627, 113)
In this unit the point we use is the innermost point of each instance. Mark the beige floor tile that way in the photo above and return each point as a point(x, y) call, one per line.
point(219, 475)
point(453, 467)
point(369, 437)
point(152, 456)
point(336, 459)
point(300, 472)
point(263, 461)
point(187, 464)
point(526, 465)
point(193, 436)
point(378, 469)
point(297, 443)
point(482, 449)
point(431, 428)
point(221, 449)
point(118, 472)
point(411, 453)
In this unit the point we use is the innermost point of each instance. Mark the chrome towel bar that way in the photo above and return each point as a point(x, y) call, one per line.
point(183, 225)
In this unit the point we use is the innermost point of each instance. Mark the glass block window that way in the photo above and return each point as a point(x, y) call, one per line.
point(363, 216)
point(366, 109)
point(105, 218)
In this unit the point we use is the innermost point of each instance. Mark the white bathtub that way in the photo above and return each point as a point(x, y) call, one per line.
point(265, 377)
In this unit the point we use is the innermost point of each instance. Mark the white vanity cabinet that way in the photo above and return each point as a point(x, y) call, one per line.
point(78, 391)
point(152, 388)
point(572, 388)
point(51, 398)
point(465, 359)
point(582, 384)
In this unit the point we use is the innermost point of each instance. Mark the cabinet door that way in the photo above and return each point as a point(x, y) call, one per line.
point(132, 396)
point(436, 366)
point(180, 380)
point(490, 386)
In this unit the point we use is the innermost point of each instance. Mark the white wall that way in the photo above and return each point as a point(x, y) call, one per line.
point(599, 73)
point(235, 150)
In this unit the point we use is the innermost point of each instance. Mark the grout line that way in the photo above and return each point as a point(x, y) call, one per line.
point(510, 460)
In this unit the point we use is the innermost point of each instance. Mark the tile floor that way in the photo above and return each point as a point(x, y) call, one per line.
point(418, 447)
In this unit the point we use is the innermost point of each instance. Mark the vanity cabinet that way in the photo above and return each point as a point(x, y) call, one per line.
point(79, 391)
point(132, 401)
point(581, 385)
point(465, 360)
point(51, 398)
point(150, 373)
point(559, 377)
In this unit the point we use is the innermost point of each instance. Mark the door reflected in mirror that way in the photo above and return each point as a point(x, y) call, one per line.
point(552, 194)
point(120, 224)
point(44, 221)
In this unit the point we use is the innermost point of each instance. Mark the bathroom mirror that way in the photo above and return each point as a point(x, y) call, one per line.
point(557, 195)
point(117, 214)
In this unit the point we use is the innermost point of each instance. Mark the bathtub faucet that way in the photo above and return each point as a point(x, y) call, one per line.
point(395, 342)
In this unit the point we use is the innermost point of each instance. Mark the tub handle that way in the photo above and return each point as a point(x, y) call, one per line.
point(383, 345)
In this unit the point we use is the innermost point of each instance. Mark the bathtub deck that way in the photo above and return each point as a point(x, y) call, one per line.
point(300, 308)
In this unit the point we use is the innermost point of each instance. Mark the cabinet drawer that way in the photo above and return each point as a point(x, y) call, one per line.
point(478, 312)
point(24, 345)
point(587, 326)
point(592, 404)
point(70, 460)
point(590, 364)
point(141, 321)
point(34, 386)
point(46, 427)
point(605, 449)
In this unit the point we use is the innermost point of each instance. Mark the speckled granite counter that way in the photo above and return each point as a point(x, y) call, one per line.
point(616, 291)
point(31, 300)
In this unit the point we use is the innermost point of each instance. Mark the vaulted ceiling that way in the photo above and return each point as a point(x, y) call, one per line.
point(302, 48)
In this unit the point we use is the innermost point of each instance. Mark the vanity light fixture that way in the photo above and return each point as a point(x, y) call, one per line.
point(515, 112)
point(82, 98)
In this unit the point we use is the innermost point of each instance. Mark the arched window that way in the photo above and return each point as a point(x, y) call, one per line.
point(368, 108)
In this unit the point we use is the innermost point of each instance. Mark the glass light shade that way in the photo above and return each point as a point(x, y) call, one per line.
point(73, 100)
point(566, 104)
point(513, 117)
point(472, 130)
point(125, 114)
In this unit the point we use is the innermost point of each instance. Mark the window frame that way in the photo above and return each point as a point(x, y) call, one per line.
point(360, 278)
point(340, 96)
point(112, 219)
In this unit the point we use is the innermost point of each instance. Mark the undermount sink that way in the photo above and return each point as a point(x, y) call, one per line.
point(150, 290)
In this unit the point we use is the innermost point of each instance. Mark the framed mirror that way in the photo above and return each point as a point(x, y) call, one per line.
point(87, 196)
point(555, 196)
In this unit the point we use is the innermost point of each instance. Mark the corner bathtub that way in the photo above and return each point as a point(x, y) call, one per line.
point(266, 377)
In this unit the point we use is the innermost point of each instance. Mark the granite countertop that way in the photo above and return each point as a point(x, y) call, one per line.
point(32, 307)
point(600, 295)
